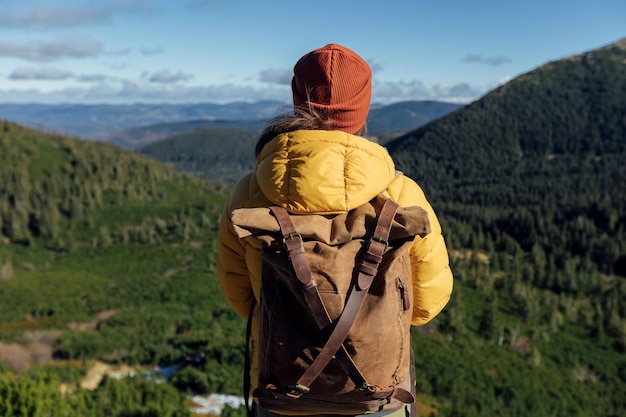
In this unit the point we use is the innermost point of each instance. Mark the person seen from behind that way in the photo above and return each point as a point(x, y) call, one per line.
point(316, 160)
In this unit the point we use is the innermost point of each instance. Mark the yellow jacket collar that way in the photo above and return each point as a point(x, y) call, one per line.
point(319, 171)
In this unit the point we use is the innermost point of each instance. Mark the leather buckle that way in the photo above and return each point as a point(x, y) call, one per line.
point(366, 387)
point(380, 240)
point(292, 235)
point(296, 390)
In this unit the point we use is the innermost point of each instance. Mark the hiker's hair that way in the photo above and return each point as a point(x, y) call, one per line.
point(303, 118)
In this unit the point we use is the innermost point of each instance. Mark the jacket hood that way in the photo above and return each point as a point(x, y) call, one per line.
point(320, 171)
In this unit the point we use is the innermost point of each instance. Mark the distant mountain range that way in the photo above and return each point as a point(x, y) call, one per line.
point(223, 150)
point(131, 126)
point(385, 122)
point(100, 121)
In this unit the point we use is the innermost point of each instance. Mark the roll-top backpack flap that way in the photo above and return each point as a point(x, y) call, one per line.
point(332, 229)
point(333, 242)
point(368, 367)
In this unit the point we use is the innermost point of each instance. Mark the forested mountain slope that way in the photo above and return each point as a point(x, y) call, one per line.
point(512, 142)
point(53, 186)
point(390, 120)
point(106, 256)
point(539, 158)
point(143, 136)
point(217, 154)
point(530, 185)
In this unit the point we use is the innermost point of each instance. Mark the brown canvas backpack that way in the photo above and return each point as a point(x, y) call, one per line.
point(335, 308)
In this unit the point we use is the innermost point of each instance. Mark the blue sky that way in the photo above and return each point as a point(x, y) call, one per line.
point(190, 51)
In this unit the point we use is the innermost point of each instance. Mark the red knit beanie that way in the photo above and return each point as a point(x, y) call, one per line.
point(337, 82)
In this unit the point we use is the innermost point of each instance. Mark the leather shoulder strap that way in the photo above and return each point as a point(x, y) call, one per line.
point(292, 241)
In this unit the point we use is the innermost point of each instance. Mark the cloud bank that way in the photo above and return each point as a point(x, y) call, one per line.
point(492, 61)
point(170, 87)
point(50, 17)
point(52, 73)
point(70, 46)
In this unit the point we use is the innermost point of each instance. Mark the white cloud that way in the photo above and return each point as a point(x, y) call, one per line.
point(504, 80)
point(390, 92)
point(45, 16)
point(55, 74)
point(374, 66)
point(125, 91)
point(71, 46)
point(167, 77)
point(89, 78)
point(276, 76)
point(109, 90)
point(492, 61)
point(47, 73)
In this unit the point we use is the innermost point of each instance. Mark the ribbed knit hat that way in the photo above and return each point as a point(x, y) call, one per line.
point(336, 81)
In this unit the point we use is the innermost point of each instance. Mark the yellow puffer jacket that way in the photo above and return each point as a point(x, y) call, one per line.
point(314, 171)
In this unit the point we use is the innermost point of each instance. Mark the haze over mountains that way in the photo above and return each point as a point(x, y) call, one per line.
point(131, 126)
point(108, 255)
point(223, 150)
point(98, 122)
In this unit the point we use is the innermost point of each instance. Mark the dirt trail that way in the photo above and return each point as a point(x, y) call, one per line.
point(98, 370)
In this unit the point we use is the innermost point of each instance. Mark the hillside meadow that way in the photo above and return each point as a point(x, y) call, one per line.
point(106, 255)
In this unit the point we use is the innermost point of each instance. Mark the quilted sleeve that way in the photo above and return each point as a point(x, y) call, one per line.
point(232, 270)
point(431, 273)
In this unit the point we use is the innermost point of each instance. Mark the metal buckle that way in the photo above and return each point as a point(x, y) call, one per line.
point(291, 235)
point(366, 387)
point(299, 387)
point(380, 240)
point(296, 390)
